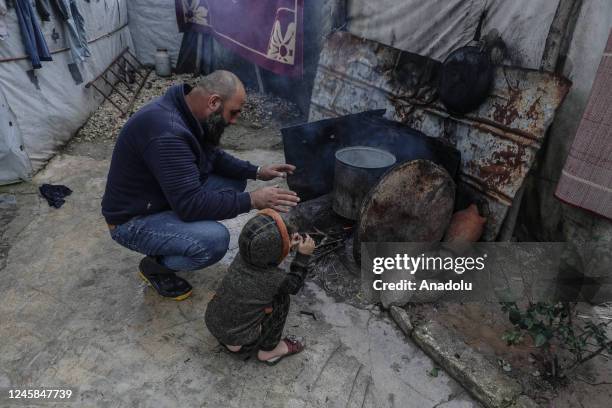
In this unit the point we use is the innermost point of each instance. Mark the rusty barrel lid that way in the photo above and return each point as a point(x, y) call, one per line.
point(413, 202)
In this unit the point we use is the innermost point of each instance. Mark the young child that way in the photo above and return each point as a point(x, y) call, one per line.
point(248, 312)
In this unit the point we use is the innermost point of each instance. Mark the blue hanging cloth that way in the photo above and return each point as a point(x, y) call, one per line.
point(75, 27)
point(31, 34)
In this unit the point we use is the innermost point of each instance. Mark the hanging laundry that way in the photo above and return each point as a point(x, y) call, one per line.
point(44, 9)
point(3, 27)
point(33, 38)
point(75, 25)
point(586, 178)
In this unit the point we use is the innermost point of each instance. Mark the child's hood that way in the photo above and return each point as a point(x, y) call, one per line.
point(264, 240)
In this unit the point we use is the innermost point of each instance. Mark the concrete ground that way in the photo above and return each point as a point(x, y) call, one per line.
point(74, 313)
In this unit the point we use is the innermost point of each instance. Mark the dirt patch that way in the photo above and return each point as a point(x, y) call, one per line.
point(481, 326)
point(245, 136)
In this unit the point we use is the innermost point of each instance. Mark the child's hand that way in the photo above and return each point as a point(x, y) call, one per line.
point(295, 239)
point(306, 245)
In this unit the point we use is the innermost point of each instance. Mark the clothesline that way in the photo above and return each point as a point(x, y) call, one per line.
point(11, 59)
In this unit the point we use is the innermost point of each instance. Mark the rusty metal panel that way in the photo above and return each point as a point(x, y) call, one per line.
point(498, 142)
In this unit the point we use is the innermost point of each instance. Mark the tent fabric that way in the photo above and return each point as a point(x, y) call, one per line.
point(3, 27)
point(153, 25)
point(14, 162)
point(50, 110)
point(435, 28)
point(271, 35)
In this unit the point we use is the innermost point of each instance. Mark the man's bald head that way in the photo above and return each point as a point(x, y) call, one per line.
point(219, 92)
point(221, 82)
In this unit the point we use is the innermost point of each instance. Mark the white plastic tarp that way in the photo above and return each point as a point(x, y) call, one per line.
point(153, 25)
point(14, 162)
point(435, 28)
point(48, 115)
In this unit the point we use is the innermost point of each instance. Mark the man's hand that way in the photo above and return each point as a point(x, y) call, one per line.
point(275, 170)
point(278, 199)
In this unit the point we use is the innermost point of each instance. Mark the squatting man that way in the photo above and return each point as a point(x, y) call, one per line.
point(169, 183)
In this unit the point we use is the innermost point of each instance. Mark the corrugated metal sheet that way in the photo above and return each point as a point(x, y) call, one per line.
point(498, 142)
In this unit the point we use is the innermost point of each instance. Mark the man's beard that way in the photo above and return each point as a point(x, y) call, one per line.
point(213, 127)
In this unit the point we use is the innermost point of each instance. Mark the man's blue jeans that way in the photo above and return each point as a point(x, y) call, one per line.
point(179, 245)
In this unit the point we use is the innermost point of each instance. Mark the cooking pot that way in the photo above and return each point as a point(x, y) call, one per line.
point(467, 76)
point(356, 170)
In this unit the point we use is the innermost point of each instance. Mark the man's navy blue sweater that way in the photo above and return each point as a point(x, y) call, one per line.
point(160, 163)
